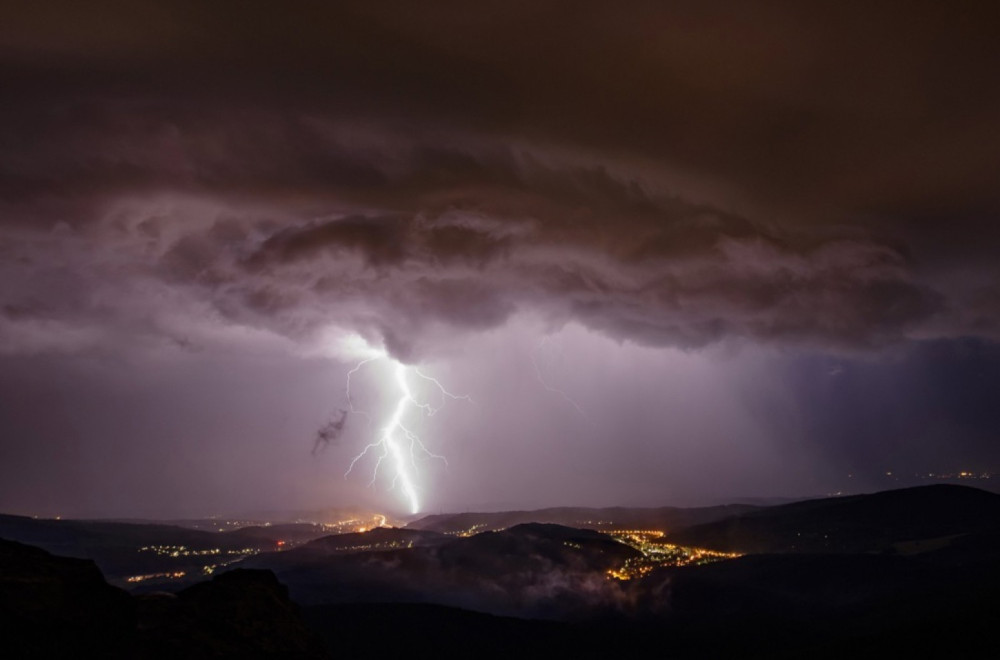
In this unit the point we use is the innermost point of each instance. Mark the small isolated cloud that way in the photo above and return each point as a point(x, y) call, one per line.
point(329, 433)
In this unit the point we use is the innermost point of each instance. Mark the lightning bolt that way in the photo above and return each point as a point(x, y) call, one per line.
point(356, 369)
point(395, 442)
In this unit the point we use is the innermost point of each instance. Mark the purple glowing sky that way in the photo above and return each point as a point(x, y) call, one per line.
point(757, 247)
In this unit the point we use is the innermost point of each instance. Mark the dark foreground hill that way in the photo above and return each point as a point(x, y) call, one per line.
point(48, 604)
point(55, 607)
point(909, 520)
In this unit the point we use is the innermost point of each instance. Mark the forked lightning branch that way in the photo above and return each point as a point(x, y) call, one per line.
point(395, 443)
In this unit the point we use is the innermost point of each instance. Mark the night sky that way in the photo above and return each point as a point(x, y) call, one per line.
point(674, 253)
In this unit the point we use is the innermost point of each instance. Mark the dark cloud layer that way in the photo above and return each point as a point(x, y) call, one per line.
point(671, 176)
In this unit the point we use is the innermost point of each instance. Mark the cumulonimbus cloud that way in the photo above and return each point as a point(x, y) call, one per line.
point(452, 186)
point(466, 239)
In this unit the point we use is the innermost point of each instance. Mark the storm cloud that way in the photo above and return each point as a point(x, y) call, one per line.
point(406, 170)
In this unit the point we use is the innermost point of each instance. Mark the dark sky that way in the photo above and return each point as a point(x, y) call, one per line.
point(675, 253)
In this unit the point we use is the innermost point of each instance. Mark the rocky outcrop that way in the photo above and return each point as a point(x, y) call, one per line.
point(53, 606)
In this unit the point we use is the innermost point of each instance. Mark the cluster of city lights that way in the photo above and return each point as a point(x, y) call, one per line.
point(656, 553)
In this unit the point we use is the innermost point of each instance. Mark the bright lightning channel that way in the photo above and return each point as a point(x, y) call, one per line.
point(395, 441)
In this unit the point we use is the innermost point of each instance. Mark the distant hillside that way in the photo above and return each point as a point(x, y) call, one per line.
point(374, 540)
point(659, 518)
point(114, 546)
point(917, 519)
point(539, 570)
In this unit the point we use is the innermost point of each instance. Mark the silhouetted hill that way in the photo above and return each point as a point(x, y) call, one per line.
point(272, 534)
point(53, 607)
point(816, 605)
point(917, 519)
point(50, 605)
point(659, 518)
point(537, 570)
point(377, 539)
point(767, 607)
point(75, 538)
point(523, 547)
point(359, 631)
point(239, 614)
point(319, 551)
